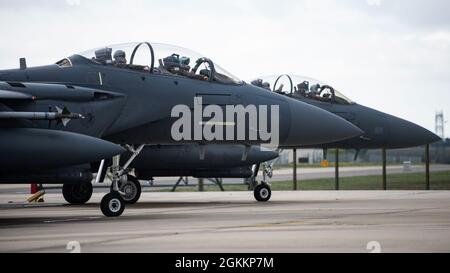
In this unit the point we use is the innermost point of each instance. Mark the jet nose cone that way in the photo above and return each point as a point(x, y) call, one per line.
point(311, 125)
point(405, 134)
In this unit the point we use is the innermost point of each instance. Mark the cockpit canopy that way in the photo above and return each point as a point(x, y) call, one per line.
point(298, 86)
point(159, 59)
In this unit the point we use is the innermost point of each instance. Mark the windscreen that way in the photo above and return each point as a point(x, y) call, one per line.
point(161, 59)
point(301, 86)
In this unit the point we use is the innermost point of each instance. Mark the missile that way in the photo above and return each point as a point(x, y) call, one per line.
point(62, 115)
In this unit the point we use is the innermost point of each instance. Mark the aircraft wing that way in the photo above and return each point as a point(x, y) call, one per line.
point(22, 145)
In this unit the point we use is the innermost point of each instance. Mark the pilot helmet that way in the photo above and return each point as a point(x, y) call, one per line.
point(120, 57)
point(315, 88)
point(257, 82)
point(103, 55)
point(185, 60)
point(266, 85)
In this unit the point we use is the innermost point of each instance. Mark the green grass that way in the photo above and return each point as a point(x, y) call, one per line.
point(341, 164)
point(413, 181)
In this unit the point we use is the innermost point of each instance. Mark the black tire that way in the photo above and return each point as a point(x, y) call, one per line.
point(132, 189)
point(77, 194)
point(112, 205)
point(263, 193)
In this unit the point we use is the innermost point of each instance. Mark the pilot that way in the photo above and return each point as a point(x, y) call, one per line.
point(302, 88)
point(206, 74)
point(266, 85)
point(120, 59)
point(257, 82)
point(314, 91)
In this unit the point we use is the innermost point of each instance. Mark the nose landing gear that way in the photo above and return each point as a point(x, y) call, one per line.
point(131, 189)
point(113, 204)
point(261, 190)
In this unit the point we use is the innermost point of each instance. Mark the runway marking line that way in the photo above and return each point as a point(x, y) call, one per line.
point(70, 220)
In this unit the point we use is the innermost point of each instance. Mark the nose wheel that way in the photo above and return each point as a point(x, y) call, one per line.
point(262, 192)
point(112, 205)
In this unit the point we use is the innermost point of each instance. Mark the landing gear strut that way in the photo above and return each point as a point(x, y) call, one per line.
point(77, 194)
point(113, 204)
point(261, 190)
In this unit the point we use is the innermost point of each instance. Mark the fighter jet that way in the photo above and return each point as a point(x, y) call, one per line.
point(381, 130)
point(157, 97)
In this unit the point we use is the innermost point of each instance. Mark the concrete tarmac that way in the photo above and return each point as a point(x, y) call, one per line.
point(233, 222)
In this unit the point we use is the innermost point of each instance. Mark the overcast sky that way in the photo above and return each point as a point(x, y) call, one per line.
point(392, 55)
